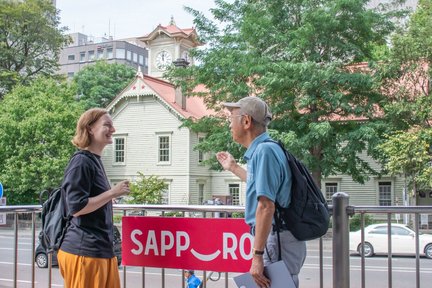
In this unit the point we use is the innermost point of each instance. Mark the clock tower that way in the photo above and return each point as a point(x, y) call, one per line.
point(166, 44)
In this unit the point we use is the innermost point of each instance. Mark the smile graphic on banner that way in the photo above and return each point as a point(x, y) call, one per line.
point(216, 244)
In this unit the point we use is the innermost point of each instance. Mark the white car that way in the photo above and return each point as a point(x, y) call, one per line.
point(402, 241)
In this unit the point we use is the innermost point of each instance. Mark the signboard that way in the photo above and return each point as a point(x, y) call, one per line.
point(215, 244)
point(1, 190)
point(3, 215)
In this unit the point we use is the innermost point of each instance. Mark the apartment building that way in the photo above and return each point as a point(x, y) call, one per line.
point(85, 50)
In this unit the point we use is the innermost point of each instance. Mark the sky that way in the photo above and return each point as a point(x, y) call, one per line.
point(126, 18)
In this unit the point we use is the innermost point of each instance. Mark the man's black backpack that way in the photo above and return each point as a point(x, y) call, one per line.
point(307, 216)
point(54, 221)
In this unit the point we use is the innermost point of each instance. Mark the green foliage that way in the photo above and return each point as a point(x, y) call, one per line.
point(30, 41)
point(37, 124)
point(355, 221)
point(409, 153)
point(117, 218)
point(408, 150)
point(146, 190)
point(98, 84)
point(173, 214)
point(415, 42)
point(407, 71)
point(296, 56)
point(237, 215)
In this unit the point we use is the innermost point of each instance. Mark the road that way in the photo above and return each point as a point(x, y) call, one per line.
point(376, 269)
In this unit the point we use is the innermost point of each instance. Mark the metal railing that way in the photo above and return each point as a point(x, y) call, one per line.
point(341, 212)
point(340, 235)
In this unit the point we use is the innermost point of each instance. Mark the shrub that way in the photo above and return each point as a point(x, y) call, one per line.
point(173, 214)
point(355, 221)
point(237, 215)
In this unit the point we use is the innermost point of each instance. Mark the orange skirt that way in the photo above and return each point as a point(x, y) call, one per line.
point(83, 272)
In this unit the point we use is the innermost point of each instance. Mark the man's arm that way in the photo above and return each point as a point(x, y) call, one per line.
point(228, 163)
point(264, 217)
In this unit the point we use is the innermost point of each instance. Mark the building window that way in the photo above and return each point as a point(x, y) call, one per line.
point(165, 195)
point(135, 57)
point(71, 57)
point(234, 191)
point(384, 191)
point(200, 193)
point(129, 55)
point(70, 75)
point(164, 149)
point(120, 53)
point(91, 55)
point(100, 54)
point(330, 189)
point(82, 56)
point(200, 153)
point(109, 53)
point(119, 150)
point(141, 60)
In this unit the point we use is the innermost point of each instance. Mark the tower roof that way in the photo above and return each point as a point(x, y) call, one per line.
point(172, 31)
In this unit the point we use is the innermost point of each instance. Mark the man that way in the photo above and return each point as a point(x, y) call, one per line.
point(268, 179)
point(191, 280)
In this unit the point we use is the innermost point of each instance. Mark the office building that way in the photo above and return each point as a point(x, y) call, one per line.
point(85, 50)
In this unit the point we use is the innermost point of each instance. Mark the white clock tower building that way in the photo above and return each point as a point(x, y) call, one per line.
point(166, 44)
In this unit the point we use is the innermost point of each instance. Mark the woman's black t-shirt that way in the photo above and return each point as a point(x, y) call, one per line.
point(90, 234)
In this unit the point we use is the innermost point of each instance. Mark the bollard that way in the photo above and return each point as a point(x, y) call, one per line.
point(341, 265)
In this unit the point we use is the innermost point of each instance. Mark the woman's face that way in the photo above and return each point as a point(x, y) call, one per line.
point(101, 131)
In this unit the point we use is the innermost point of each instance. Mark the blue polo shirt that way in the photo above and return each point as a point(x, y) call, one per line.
point(268, 174)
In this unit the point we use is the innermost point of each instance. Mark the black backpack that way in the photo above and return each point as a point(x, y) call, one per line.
point(54, 221)
point(307, 216)
point(54, 218)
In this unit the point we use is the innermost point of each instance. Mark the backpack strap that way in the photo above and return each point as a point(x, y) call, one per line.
point(277, 218)
point(278, 223)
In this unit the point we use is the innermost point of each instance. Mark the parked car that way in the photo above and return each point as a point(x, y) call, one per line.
point(41, 256)
point(402, 240)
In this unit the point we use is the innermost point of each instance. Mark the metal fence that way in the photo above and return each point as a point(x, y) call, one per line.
point(341, 211)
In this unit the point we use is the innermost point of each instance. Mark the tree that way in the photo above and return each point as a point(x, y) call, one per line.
point(408, 73)
point(146, 190)
point(408, 70)
point(30, 41)
point(98, 84)
point(37, 123)
point(300, 57)
point(409, 153)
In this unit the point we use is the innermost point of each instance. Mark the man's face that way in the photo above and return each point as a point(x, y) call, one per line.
point(236, 124)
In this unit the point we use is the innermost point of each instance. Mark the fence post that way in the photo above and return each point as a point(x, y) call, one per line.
point(341, 269)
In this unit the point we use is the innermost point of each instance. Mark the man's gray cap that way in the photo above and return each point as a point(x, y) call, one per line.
point(254, 107)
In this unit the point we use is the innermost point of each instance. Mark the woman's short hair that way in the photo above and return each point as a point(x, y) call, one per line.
point(82, 138)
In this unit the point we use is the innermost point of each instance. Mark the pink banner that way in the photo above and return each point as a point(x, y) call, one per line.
point(215, 244)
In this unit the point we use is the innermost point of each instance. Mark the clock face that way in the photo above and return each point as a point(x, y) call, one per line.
point(163, 60)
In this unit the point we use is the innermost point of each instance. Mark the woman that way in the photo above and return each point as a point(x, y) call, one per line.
point(86, 256)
